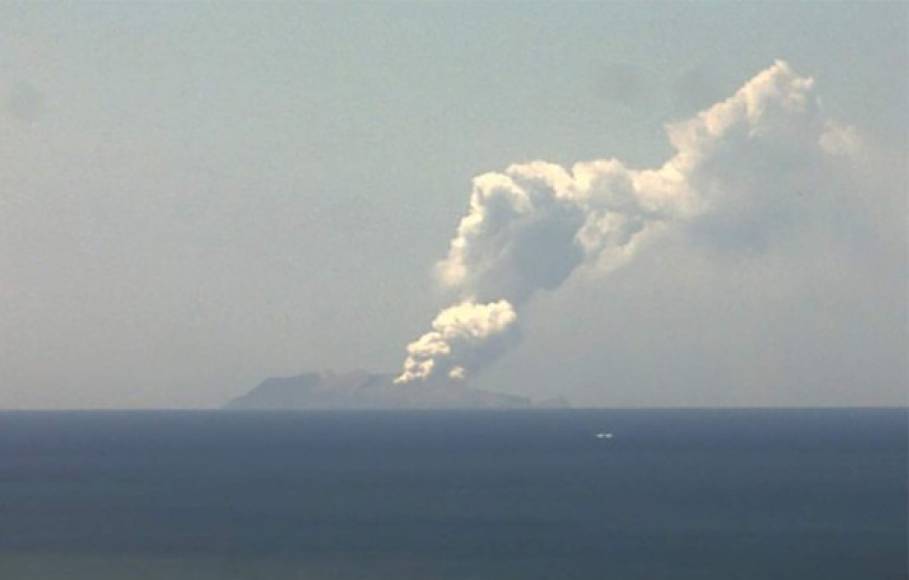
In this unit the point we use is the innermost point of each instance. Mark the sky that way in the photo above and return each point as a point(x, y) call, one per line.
point(195, 197)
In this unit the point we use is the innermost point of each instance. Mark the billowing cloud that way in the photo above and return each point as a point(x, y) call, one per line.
point(463, 337)
point(743, 171)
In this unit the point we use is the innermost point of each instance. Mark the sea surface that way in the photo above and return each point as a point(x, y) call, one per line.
point(524, 495)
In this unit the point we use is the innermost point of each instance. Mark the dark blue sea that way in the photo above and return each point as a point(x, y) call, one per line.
point(674, 494)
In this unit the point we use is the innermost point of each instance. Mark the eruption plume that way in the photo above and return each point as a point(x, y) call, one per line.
point(740, 169)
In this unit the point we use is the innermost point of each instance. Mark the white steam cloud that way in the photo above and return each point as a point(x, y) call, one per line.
point(742, 169)
point(463, 337)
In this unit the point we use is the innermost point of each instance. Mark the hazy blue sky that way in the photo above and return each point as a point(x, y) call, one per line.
point(196, 197)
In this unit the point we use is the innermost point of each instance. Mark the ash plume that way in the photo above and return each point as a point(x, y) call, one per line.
point(742, 170)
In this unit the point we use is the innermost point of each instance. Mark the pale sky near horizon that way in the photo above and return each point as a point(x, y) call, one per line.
point(195, 197)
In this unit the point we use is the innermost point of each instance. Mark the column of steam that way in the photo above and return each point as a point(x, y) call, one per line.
point(530, 227)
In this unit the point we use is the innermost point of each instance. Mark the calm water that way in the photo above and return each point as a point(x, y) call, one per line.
point(723, 495)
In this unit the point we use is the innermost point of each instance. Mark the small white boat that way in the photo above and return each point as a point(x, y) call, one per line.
point(604, 435)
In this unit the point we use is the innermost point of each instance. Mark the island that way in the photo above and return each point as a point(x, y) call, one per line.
point(368, 390)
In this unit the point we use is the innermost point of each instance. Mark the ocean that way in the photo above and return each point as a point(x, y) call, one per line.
point(490, 495)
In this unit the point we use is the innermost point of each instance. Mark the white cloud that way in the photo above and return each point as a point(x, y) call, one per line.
point(743, 170)
point(464, 335)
